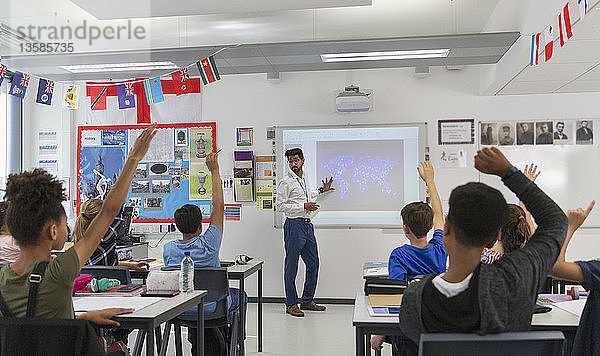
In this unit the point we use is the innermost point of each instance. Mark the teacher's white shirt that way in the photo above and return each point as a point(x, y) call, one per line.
point(292, 193)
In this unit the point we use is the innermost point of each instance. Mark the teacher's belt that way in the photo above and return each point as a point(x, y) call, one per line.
point(306, 220)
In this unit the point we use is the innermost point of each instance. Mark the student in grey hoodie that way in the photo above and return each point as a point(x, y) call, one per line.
point(474, 297)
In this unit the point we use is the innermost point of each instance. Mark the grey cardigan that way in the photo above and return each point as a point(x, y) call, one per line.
point(508, 287)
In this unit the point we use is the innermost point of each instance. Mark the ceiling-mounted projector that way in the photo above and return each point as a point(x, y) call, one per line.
point(351, 99)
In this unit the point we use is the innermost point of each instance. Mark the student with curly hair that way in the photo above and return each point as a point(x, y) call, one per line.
point(9, 250)
point(37, 221)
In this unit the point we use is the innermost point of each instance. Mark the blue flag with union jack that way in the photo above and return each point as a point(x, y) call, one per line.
point(19, 84)
point(126, 96)
point(44, 92)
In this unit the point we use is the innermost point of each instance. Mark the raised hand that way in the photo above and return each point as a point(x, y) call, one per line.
point(578, 216)
point(212, 161)
point(142, 143)
point(327, 184)
point(531, 172)
point(426, 172)
point(490, 160)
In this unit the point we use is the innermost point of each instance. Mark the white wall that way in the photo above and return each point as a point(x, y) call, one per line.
point(306, 99)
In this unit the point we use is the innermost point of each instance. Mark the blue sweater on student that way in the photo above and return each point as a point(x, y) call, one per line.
point(587, 339)
point(408, 260)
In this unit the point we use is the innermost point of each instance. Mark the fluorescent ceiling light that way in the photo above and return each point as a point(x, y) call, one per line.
point(119, 67)
point(381, 56)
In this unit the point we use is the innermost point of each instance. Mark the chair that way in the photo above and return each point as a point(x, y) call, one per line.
point(64, 337)
point(531, 343)
point(117, 272)
point(216, 282)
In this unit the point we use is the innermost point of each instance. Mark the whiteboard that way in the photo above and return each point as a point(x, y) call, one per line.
point(570, 175)
point(316, 140)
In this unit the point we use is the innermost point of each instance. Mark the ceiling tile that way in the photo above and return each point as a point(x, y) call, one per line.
point(554, 72)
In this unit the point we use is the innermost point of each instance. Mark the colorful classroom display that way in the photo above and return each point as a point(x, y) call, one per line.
point(172, 173)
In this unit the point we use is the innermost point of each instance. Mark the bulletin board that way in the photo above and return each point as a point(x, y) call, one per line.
point(172, 173)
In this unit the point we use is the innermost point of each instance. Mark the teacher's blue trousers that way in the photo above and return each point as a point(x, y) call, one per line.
point(300, 241)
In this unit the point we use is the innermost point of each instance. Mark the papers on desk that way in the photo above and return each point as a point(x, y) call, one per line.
point(384, 304)
point(375, 272)
point(85, 304)
point(572, 306)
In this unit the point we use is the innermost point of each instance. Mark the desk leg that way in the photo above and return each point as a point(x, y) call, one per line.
point(260, 309)
point(200, 330)
point(150, 342)
point(139, 342)
point(242, 319)
point(158, 337)
point(165, 339)
point(360, 342)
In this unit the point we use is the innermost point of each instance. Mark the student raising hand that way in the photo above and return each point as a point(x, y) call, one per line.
point(490, 160)
point(531, 172)
point(569, 270)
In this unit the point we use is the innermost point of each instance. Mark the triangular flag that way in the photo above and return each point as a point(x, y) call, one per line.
point(208, 70)
point(535, 49)
point(549, 42)
point(564, 23)
point(45, 92)
point(2, 73)
point(71, 97)
point(583, 7)
point(19, 84)
point(153, 89)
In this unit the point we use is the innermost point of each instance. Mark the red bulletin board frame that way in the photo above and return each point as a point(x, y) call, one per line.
point(82, 128)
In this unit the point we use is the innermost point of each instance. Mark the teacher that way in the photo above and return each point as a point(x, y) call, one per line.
point(296, 201)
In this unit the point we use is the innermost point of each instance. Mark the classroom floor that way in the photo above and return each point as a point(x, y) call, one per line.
point(328, 333)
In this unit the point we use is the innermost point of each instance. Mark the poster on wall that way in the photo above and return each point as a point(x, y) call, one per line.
point(200, 182)
point(200, 143)
point(163, 181)
point(100, 167)
point(244, 137)
point(456, 132)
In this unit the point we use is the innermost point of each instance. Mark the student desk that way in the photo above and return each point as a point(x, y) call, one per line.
point(367, 325)
point(238, 273)
point(148, 319)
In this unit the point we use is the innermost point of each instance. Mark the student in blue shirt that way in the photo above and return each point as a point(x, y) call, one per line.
point(421, 256)
point(587, 338)
point(203, 248)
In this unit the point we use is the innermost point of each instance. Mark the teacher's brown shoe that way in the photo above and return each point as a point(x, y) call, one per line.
point(293, 310)
point(312, 306)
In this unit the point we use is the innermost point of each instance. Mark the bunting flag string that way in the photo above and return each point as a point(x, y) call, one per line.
point(125, 89)
point(565, 32)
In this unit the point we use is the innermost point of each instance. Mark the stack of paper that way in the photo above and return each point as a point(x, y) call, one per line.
point(98, 303)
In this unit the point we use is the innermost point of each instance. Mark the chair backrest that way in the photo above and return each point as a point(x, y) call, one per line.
point(215, 281)
point(47, 337)
point(116, 272)
point(542, 343)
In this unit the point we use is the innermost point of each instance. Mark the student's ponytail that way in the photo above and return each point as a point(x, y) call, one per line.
point(89, 210)
point(516, 230)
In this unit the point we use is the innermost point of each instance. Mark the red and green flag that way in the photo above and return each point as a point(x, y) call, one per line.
point(208, 70)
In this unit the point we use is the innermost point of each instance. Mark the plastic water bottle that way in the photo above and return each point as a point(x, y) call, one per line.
point(186, 277)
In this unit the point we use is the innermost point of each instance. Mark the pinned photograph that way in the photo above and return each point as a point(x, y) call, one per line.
point(158, 170)
point(181, 137)
point(153, 203)
point(134, 201)
point(584, 135)
point(506, 134)
point(488, 136)
point(161, 186)
point(140, 187)
point(141, 171)
point(136, 213)
point(543, 131)
point(176, 182)
point(563, 132)
point(182, 153)
point(525, 133)
point(174, 171)
point(114, 137)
